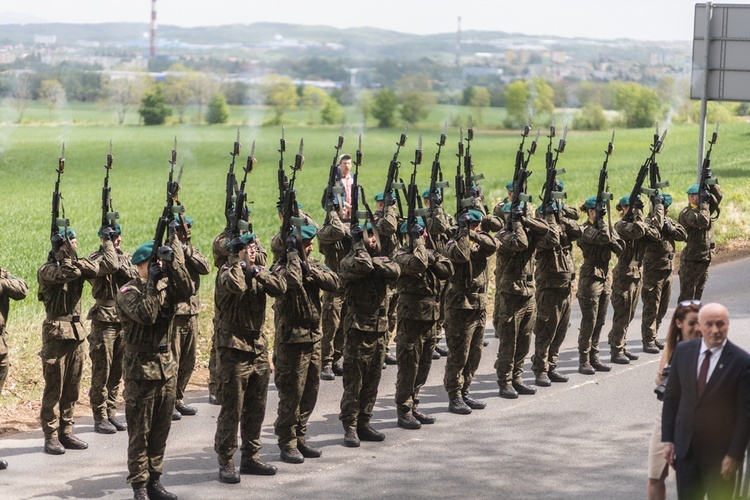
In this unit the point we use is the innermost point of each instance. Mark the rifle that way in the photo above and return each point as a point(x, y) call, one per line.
point(436, 176)
point(57, 221)
point(707, 179)
point(646, 169)
point(109, 216)
point(231, 188)
point(413, 200)
point(549, 194)
point(461, 206)
point(240, 213)
point(283, 181)
point(355, 215)
point(519, 184)
point(602, 196)
point(291, 221)
point(471, 178)
point(170, 210)
point(393, 182)
point(334, 195)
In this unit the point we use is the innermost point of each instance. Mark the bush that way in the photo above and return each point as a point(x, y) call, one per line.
point(218, 110)
point(154, 110)
point(590, 117)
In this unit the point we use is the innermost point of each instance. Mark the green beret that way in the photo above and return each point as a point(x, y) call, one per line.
point(426, 193)
point(509, 186)
point(248, 238)
point(506, 207)
point(308, 232)
point(558, 204)
point(188, 220)
point(118, 229)
point(667, 199)
point(143, 252)
point(68, 232)
point(379, 197)
point(405, 226)
point(559, 186)
point(624, 201)
point(590, 202)
point(694, 189)
point(476, 216)
point(368, 226)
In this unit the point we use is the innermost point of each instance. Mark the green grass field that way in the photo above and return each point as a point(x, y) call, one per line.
point(29, 155)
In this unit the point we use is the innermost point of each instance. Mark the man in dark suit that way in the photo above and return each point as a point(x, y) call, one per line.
point(705, 420)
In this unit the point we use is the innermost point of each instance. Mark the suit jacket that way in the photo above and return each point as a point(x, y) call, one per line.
point(716, 424)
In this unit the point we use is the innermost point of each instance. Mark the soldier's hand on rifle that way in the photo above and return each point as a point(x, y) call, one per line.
point(236, 246)
point(516, 212)
point(174, 226)
point(601, 212)
point(357, 234)
point(165, 253)
point(416, 231)
point(464, 220)
point(57, 242)
point(108, 233)
point(658, 199)
point(333, 205)
point(638, 204)
point(155, 271)
point(291, 243)
point(389, 200)
point(704, 196)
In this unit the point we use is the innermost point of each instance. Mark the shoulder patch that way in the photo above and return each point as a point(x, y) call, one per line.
point(124, 289)
point(277, 268)
point(92, 256)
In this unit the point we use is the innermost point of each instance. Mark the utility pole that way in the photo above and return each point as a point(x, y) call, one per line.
point(152, 47)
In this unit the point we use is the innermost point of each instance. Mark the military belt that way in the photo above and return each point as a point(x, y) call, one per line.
point(239, 330)
point(409, 296)
point(161, 349)
point(68, 319)
point(105, 303)
point(519, 277)
point(592, 262)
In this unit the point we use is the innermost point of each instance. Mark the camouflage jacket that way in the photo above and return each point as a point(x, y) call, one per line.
point(630, 262)
point(220, 250)
point(146, 309)
point(241, 301)
point(423, 275)
point(597, 244)
point(701, 241)
point(516, 247)
point(365, 280)
point(60, 288)
point(467, 288)
point(277, 244)
point(660, 247)
point(554, 256)
point(298, 309)
point(440, 226)
point(388, 226)
point(197, 266)
point(334, 240)
point(10, 288)
point(115, 269)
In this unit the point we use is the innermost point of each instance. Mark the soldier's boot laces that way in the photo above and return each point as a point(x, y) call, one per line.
point(156, 491)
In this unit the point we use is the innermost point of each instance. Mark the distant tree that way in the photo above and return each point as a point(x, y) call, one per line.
point(415, 94)
point(178, 90)
point(543, 95)
point(517, 103)
point(560, 96)
point(203, 87)
point(479, 100)
point(332, 113)
point(121, 94)
point(52, 93)
point(384, 107)
point(467, 94)
point(280, 95)
point(590, 117)
point(364, 104)
point(639, 105)
point(154, 110)
point(218, 110)
point(235, 92)
point(21, 95)
point(313, 99)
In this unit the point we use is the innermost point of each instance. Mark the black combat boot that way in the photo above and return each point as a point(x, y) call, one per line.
point(542, 380)
point(228, 473)
point(104, 427)
point(350, 438)
point(257, 466)
point(508, 392)
point(522, 388)
point(156, 491)
point(423, 417)
point(139, 491)
point(473, 403)
point(71, 442)
point(408, 421)
point(365, 432)
point(291, 455)
point(119, 424)
point(556, 376)
point(307, 450)
point(458, 406)
point(184, 409)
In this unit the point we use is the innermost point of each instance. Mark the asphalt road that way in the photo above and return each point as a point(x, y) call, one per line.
point(587, 438)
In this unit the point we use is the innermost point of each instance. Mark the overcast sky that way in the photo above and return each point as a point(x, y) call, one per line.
point(637, 19)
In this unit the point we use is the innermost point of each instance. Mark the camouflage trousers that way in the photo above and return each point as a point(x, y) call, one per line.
point(62, 367)
point(4, 366)
point(185, 339)
point(364, 354)
point(657, 290)
point(297, 378)
point(392, 317)
point(106, 348)
point(693, 279)
point(464, 335)
point(625, 293)
point(593, 299)
point(415, 342)
point(552, 321)
point(332, 343)
point(213, 368)
point(243, 384)
point(441, 317)
point(148, 411)
point(516, 321)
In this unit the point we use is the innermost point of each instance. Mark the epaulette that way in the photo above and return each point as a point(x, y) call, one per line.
point(451, 242)
point(124, 289)
point(278, 268)
point(225, 268)
point(326, 268)
point(92, 256)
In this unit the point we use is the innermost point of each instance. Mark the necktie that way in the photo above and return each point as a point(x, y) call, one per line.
point(703, 374)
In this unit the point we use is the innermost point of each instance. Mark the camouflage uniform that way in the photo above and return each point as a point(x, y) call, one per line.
point(297, 348)
point(516, 285)
point(61, 282)
point(500, 263)
point(10, 288)
point(185, 323)
point(439, 226)
point(597, 244)
point(146, 309)
point(657, 272)
point(387, 232)
point(466, 308)
point(243, 355)
point(699, 250)
point(423, 275)
point(554, 276)
point(626, 278)
point(106, 343)
point(365, 280)
point(335, 244)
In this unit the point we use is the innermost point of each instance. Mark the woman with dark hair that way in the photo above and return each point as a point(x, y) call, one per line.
point(684, 326)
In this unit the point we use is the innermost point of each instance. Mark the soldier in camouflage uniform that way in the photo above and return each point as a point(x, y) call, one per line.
point(626, 277)
point(695, 258)
point(554, 276)
point(423, 276)
point(147, 305)
point(185, 324)
point(106, 342)
point(388, 221)
point(466, 309)
point(365, 277)
point(297, 349)
point(597, 243)
point(335, 243)
point(241, 290)
point(657, 273)
point(10, 288)
point(61, 282)
point(516, 247)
